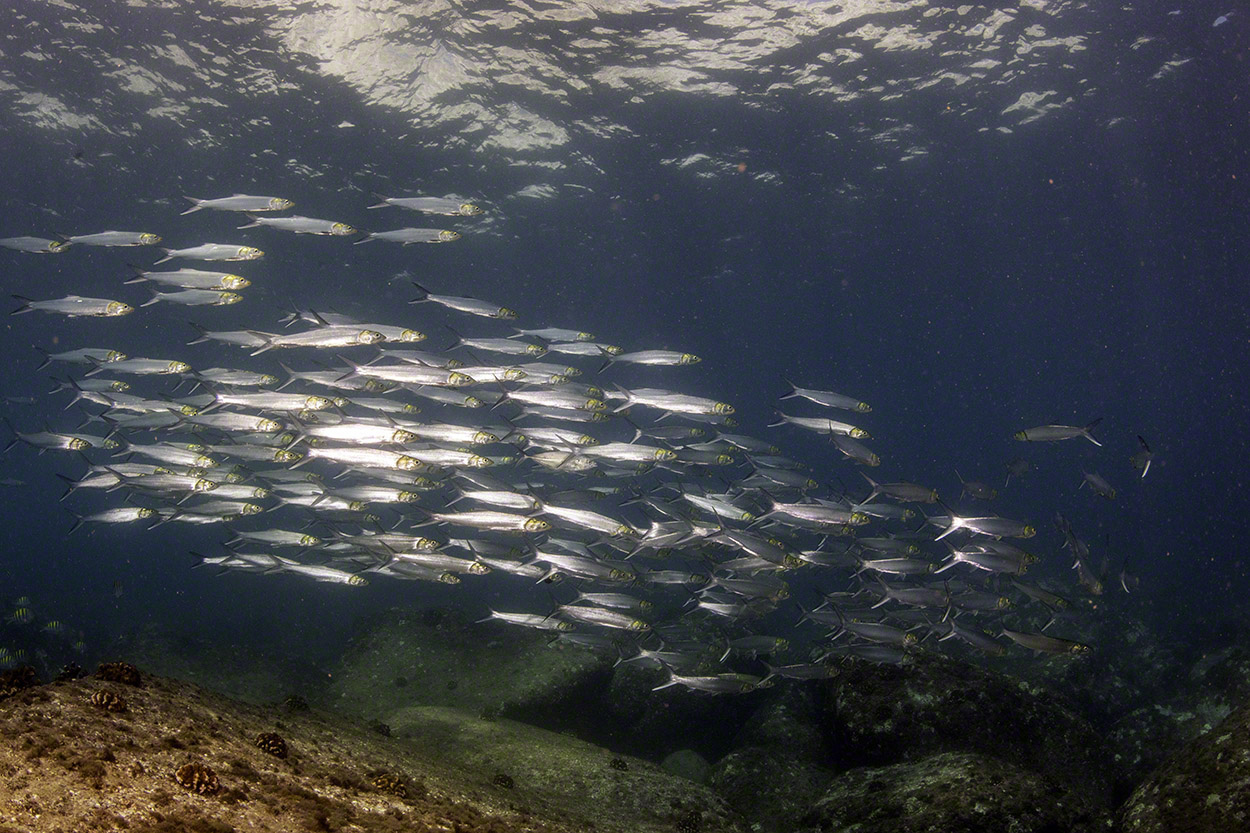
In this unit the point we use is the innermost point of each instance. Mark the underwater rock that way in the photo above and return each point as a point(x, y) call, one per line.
point(1131, 666)
point(1144, 738)
point(769, 786)
point(507, 671)
point(880, 714)
point(688, 764)
point(951, 793)
point(789, 722)
point(552, 773)
point(242, 670)
point(17, 679)
point(119, 672)
point(1202, 789)
point(183, 759)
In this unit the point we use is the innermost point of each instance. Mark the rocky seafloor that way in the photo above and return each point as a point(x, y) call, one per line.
point(428, 722)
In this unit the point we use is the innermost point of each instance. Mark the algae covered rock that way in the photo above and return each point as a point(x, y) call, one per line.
point(442, 658)
point(688, 764)
point(769, 786)
point(951, 793)
point(788, 720)
point(780, 764)
point(181, 758)
point(878, 714)
point(557, 775)
point(1205, 788)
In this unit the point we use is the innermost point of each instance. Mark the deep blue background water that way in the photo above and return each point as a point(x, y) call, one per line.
point(1073, 269)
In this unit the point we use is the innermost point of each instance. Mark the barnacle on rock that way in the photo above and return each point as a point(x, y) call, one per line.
point(119, 672)
point(296, 703)
point(391, 784)
point(502, 779)
point(690, 822)
point(16, 679)
point(110, 701)
point(198, 778)
point(70, 671)
point(619, 763)
point(272, 743)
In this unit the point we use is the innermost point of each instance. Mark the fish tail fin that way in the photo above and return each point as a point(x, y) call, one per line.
point(425, 293)
point(267, 346)
point(16, 437)
point(355, 369)
point(255, 222)
point(168, 256)
point(381, 201)
point(196, 205)
point(608, 360)
point(794, 389)
point(876, 488)
point(70, 485)
point(140, 274)
point(78, 521)
point(629, 400)
point(672, 681)
point(25, 307)
point(368, 238)
point(47, 357)
point(155, 299)
point(290, 376)
point(202, 331)
point(780, 419)
point(1086, 432)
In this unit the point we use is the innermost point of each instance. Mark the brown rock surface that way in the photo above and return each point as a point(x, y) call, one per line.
point(67, 765)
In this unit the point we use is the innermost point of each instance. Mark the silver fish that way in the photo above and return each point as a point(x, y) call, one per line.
point(115, 238)
point(76, 306)
point(1057, 433)
point(39, 245)
point(1045, 644)
point(1099, 484)
point(195, 298)
point(240, 202)
point(430, 205)
point(655, 358)
point(1141, 460)
point(827, 398)
point(715, 683)
point(303, 225)
point(472, 306)
point(408, 236)
point(555, 334)
point(214, 251)
point(192, 279)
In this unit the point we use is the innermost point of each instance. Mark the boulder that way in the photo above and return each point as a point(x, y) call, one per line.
point(442, 658)
point(882, 714)
point(951, 793)
point(768, 786)
point(560, 777)
point(1204, 788)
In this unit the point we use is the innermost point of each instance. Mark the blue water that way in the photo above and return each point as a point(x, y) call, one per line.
point(967, 281)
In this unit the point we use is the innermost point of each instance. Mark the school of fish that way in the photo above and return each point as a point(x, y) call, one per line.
point(674, 540)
